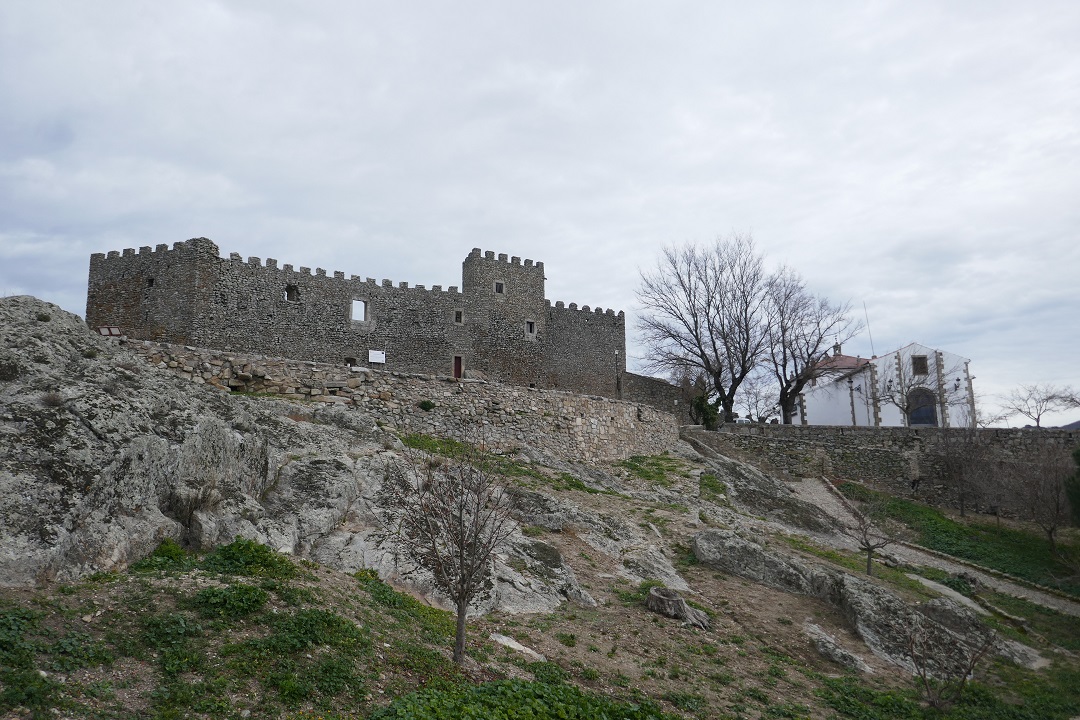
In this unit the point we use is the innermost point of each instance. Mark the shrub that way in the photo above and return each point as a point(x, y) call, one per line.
point(426, 405)
point(167, 556)
point(547, 672)
point(567, 639)
point(704, 412)
point(10, 369)
point(250, 559)
point(52, 399)
point(515, 698)
point(43, 317)
point(232, 602)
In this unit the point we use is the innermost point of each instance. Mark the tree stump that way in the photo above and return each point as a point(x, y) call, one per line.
point(668, 602)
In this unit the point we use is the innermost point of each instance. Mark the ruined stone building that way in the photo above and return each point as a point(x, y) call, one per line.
point(497, 325)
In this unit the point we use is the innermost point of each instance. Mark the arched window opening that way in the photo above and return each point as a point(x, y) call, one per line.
point(922, 408)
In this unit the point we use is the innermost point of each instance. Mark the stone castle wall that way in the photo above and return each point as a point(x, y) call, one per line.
point(903, 461)
point(497, 326)
point(559, 423)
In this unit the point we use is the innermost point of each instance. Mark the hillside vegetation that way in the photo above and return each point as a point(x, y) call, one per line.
point(170, 551)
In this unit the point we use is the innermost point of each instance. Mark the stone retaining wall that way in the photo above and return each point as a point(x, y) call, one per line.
point(589, 428)
point(903, 461)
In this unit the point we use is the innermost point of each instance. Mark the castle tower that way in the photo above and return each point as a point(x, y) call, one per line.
point(504, 311)
point(157, 294)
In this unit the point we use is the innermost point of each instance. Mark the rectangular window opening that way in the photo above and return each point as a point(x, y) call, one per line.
point(500, 288)
point(530, 328)
point(459, 317)
point(359, 311)
point(920, 365)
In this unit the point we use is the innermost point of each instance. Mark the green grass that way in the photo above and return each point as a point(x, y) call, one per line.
point(567, 639)
point(506, 699)
point(167, 557)
point(856, 562)
point(1054, 627)
point(713, 488)
point(655, 469)
point(213, 644)
point(1053, 694)
point(248, 558)
point(566, 481)
point(457, 450)
point(638, 594)
point(1010, 550)
point(436, 625)
point(233, 601)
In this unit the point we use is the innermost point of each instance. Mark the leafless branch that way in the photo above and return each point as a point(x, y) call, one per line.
point(449, 516)
point(943, 668)
point(867, 532)
point(1034, 401)
point(706, 309)
point(801, 328)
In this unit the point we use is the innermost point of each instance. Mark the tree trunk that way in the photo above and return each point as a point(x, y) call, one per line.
point(870, 562)
point(787, 410)
point(729, 408)
point(459, 638)
point(786, 401)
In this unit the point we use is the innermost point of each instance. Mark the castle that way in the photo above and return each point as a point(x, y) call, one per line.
point(497, 326)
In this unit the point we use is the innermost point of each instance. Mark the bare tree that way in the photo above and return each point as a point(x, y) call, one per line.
point(1034, 401)
point(943, 665)
point(706, 308)
point(1041, 485)
point(801, 328)
point(965, 463)
point(449, 517)
point(756, 397)
point(867, 531)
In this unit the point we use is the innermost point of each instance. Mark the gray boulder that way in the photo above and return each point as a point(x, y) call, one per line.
point(940, 635)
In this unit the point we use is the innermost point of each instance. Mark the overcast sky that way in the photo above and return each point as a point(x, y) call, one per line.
point(922, 158)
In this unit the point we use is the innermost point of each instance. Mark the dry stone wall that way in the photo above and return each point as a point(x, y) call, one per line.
point(903, 461)
point(562, 424)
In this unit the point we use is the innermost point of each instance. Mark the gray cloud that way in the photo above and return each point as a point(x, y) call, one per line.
point(917, 157)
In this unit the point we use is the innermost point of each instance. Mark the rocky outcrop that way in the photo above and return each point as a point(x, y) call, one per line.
point(831, 649)
point(755, 493)
point(639, 554)
point(669, 603)
point(103, 456)
point(939, 634)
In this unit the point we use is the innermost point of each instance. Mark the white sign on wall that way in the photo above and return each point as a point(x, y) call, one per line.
point(376, 356)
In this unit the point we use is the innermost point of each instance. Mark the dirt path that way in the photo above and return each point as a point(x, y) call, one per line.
point(815, 490)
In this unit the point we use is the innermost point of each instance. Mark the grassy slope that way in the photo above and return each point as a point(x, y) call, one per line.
point(247, 633)
point(1018, 551)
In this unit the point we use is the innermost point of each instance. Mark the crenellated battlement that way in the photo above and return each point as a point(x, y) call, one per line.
point(496, 324)
point(573, 307)
point(514, 260)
